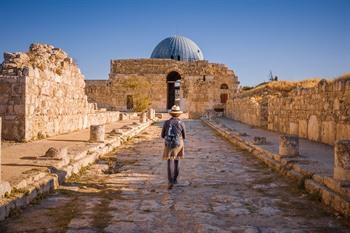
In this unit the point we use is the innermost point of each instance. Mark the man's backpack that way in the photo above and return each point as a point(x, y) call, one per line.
point(172, 139)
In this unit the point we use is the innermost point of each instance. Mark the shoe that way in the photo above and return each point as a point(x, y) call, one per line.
point(175, 181)
point(170, 186)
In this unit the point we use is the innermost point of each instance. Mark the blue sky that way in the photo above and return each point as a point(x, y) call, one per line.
point(296, 39)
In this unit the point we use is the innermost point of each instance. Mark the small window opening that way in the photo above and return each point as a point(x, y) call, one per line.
point(224, 86)
point(204, 78)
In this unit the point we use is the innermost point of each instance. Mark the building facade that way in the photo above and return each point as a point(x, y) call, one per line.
point(175, 74)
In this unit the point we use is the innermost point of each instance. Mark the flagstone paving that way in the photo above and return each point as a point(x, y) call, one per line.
point(221, 189)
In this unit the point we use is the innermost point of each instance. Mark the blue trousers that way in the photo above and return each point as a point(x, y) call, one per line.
point(173, 170)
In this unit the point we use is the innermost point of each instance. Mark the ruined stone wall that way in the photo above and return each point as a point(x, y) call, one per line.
point(252, 110)
point(200, 84)
point(44, 94)
point(320, 113)
point(12, 105)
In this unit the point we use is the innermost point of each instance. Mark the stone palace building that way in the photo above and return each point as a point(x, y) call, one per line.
point(175, 73)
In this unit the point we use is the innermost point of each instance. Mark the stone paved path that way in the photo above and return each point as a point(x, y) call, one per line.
point(319, 155)
point(221, 189)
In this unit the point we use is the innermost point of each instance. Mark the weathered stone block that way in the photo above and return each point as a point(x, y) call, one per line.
point(260, 140)
point(53, 152)
point(342, 160)
point(123, 116)
point(159, 115)
point(143, 117)
point(293, 128)
point(302, 128)
point(328, 132)
point(289, 145)
point(343, 131)
point(313, 128)
point(151, 113)
point(97, 133)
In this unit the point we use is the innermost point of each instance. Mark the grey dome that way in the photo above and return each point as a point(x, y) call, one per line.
point(177, 48)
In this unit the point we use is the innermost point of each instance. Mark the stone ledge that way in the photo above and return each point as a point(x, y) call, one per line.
point(330, 192)
point(39, 183)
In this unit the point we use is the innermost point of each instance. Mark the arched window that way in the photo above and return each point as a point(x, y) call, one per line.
point(224, 86)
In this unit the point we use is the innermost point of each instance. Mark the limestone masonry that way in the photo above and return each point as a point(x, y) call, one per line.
point(319, 113)
point(42, 94)
point(201, 86)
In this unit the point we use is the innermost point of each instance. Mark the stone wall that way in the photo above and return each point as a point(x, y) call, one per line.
point(12, 105)
point(200, 84)
point(251, 110)
point(43, 95)
point(320, 113)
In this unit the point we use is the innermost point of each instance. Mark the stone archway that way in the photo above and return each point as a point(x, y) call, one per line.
point(173, 88)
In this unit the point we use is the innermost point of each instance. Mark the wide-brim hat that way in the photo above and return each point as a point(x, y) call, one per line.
point(175, 111)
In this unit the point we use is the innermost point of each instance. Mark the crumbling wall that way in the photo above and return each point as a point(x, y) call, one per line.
point(43, 94)
point(320, 112)
point(252, 110)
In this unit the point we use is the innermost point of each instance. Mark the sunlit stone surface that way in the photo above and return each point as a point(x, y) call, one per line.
point(221, 189)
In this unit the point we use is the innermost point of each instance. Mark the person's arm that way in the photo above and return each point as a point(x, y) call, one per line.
point(183, 130)
point(163, 129)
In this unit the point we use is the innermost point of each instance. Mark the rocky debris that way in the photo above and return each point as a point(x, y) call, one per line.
point(260, 141)
point(342, 160)
point(55, 153)
point(289, 145)
point(116, 131)
point(41, 56)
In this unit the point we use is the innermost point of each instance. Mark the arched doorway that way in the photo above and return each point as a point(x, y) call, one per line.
point(173, 88)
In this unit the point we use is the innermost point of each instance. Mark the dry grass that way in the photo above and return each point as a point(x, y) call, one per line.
point(280, 86)
point(343, 77)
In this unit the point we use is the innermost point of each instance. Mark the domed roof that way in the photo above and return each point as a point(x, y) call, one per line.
point(177, 48)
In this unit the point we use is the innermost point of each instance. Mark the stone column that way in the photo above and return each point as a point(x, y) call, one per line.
point(342, 160)
point(151, 113)
point(97, 133)
point(143, 117)
point(289, 145)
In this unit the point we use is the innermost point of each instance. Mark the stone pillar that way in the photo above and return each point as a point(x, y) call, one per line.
point(143, 117)
point(289, 145)
point(97, 133)
point(151, 113)
point(342, 160)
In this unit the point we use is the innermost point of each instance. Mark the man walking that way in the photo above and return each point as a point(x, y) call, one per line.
point(173, 133)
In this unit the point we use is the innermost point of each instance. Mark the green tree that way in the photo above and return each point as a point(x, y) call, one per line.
point(140, 88)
